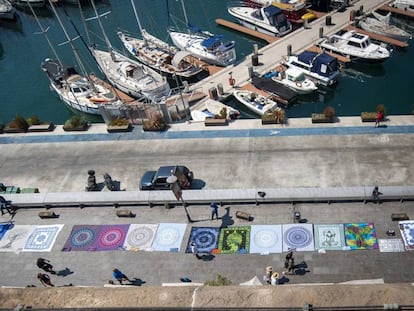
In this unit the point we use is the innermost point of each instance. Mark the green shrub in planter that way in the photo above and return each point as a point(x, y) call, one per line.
point(18, 124)
point(75, 123)
point(329, 112)
point(1, 128)
point(277, 116)
point(381, 108)
point(33, 120)
point(119, 122)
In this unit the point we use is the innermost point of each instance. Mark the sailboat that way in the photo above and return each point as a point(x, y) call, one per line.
point(129, 76)
point(75, 90)
point(204, 45)
point(159, 55)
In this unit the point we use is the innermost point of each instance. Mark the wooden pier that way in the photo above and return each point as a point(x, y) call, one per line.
point(317, 49)
point(250, 32)
point(378, 37)
point(388, 8)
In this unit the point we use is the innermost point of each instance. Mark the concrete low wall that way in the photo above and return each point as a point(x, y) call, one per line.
point(61, 199)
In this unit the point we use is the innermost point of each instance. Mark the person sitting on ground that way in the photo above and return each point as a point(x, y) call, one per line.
point(44, 279)
point(4, 205)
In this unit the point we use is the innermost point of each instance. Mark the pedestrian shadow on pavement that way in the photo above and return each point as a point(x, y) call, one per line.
point(205, 257)
point(64, 272)
point(136, 282)
point(226, 219)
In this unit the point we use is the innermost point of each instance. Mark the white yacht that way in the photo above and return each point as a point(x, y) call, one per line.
point(269, 20)
point(211, 48)
point(7, 11)
point(295, 79)
point(255, 102)
point(356, 46)
point(406, 5)
point(380, 24)
point(322, 67)
point(76, 91)
point(130, 76)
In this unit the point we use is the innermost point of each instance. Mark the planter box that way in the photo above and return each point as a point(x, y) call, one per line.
point(215, 122)
point(76, 129)
point(12, 130)
point(321, 118)
point(151, 129)
point(46, 127)
point(119, 128)
point(368, 116)
point(270, 121)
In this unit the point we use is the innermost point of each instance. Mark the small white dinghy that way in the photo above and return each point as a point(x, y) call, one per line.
point(257, 103)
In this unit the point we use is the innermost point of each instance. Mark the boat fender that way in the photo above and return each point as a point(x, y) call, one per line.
point(298, 84)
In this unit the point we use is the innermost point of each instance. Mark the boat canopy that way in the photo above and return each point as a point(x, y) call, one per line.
point(178, 57)
point(210, 42)
point(323, 63)
point(275, 16)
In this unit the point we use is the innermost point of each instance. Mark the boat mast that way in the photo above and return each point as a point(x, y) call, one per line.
point(108, 43)
point(44, 32)
point(136, 16)
point(74, 50)
point(185, 15)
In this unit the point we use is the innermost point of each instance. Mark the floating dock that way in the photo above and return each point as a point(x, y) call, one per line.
point(388, 8)
point(250, 32)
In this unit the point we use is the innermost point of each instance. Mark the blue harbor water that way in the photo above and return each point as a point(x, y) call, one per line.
point(25, 89)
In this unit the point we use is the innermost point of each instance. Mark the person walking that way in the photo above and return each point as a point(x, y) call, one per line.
point(118, 275)
point(214, 210)
point(378, 119)
point(44, 279)
point(193, 248)
point(44, 264)
point(288, 257)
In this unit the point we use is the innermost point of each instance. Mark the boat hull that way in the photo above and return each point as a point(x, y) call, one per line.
point(257, 104)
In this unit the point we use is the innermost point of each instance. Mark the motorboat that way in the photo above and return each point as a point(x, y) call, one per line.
point(280, 93)
point(269, 20)
point(158, 54)
point(320, 67)
point(131, 76)
point(211, 48)
point(255, 102)
point(211, 108)
point(406, 5)
point(7, 11)
point(295, 10)
point(356, 46)
point(294, 79)
point(77, 91)
point(380, 24)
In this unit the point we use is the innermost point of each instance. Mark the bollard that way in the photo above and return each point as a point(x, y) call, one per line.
point(328, 20)
point(255, 60)
point(305, 23)
point(220, 89)
point(289, 50)
point(212, 93)
point(361, 10)
point(255, 49)
point(351, 16)
point(232, 81)
point(321, 32)
point(250, 69)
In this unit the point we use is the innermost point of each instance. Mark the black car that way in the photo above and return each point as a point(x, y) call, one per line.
point(157, 180)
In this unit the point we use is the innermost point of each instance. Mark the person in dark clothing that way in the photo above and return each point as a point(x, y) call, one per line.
point(44, 264)
point(214, 210)
point(119, 276)
point(4, 205)
point(44, 279)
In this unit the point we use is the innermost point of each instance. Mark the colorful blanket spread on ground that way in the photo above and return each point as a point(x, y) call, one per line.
point(407, 233)
point(15, 238)
point(205, 239)
point(4, 228)
point(169, 237)
point(96, 238)
point(329, 236)
point(361, 236)
point(234, 240)
point(266, 239)
point(140, 237)
point(298, 237)
point(42, 238)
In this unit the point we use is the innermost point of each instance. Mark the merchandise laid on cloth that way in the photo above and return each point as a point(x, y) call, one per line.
point(205, 239)
point(361, 236)
point(407, 233)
